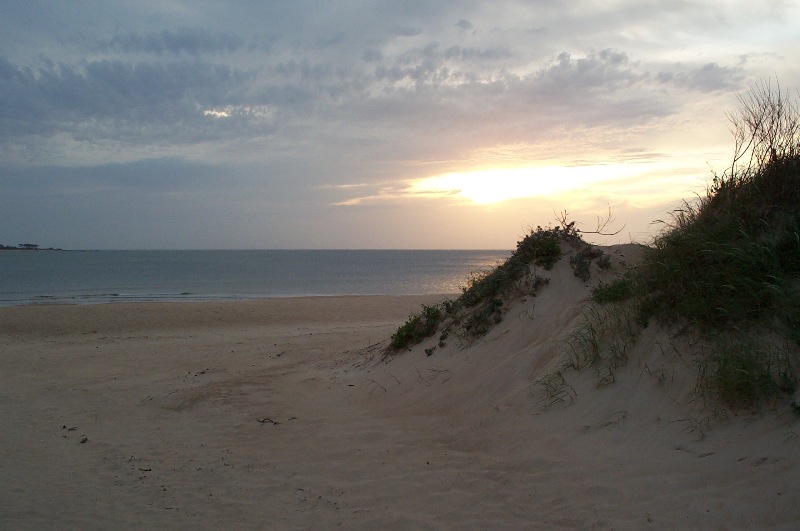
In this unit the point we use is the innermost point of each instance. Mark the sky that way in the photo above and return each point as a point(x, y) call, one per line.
point(176, 124)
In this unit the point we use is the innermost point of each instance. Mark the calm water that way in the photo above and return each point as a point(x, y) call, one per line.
point(106, 276)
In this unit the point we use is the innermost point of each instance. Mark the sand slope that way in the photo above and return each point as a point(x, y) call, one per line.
point(283, 414)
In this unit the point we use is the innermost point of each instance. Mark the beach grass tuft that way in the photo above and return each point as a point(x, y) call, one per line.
point(417, 327)
point(480, 306)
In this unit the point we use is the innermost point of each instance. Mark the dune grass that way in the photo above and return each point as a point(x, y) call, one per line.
point(734, 257)
point(480, 305)
point(486, 294)
point(417, 327)
point(727, 266)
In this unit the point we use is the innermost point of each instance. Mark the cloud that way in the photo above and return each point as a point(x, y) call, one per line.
point(407, 31)
point(384, 81)
point(607, 70)
point(709, 77)
point(191, 41)
point(398, 68)
point(148, 101)
point(293, 95)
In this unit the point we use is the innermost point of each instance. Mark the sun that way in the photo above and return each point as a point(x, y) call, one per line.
point(495, 185)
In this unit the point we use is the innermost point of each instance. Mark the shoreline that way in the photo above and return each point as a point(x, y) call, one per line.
point(188, 298)
point(63, 319)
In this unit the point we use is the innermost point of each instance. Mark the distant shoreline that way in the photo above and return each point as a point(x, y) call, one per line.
point(32, 250)
point(27, 247)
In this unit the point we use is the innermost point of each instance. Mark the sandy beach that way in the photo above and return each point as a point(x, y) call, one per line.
point(283, 414)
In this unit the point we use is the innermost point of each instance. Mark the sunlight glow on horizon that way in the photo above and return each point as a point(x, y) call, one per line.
point(490, 186)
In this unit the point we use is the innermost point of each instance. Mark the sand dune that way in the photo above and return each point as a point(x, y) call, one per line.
point(284, 414)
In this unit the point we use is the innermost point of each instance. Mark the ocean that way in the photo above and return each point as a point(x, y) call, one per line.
point(87, 277)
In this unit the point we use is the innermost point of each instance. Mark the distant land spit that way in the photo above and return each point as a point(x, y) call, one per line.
point(26, 247)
